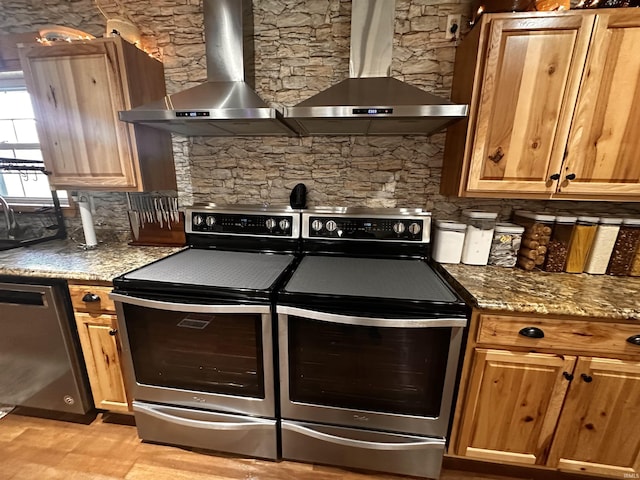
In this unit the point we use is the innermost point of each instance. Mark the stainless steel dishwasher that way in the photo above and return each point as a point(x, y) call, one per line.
point(40, 360)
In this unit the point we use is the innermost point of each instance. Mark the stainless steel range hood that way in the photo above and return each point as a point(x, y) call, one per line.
point(226, 105)
point(370, 102)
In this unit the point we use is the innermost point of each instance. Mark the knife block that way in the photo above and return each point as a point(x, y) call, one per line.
point(151, 234)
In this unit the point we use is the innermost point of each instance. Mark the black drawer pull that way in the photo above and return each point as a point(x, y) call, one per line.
point(532, 332)
point(634, 340)
point(113, 332)
point(555, 176)
point(587, 378)
point(571, 176)
point(567, 375)
point(90, 298)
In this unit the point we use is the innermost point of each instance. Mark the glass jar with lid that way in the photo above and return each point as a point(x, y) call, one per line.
point(603, 244)
point(478, 236)
point(584, 231)
point(635, 266)
point(558, 247)
point(625, 247)
point(537, 234)
point(507, 238)
point(448, 240)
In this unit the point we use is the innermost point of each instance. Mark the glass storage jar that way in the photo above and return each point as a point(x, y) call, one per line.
point(537, 233)
point(558, 247)
point(625, 248)
point(505, 245)
point(603, 244)
point(448, 240)
point(478, 236)
point(584, 231)
point(635, 266)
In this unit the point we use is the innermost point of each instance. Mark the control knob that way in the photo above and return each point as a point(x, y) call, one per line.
point(284, 224)
point(414, 228)
point(270, 223)
point(399, 228)
point(331, 226)
point(316, 225)
point(210, 221)
point(197, 220)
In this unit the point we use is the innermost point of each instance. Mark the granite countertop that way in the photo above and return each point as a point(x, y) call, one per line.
point(66, 259)
point(484, 287)
point(516, 290)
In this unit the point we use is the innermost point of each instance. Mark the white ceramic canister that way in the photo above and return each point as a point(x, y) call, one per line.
point(602, 246)
point(478, 237)
point(448, 240)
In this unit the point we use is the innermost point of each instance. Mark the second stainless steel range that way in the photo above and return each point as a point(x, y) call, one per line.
point(369, 342)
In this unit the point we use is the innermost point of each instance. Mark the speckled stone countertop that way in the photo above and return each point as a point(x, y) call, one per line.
point(66, 259)
point(516, 290)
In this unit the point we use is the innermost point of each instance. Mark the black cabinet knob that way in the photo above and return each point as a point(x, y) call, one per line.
point(587, 378)
point(567, 375)
point(555, 176)
point(571, 176)
point(113, 332)
point(531, 332)
point(90, 298)
point(634, 340)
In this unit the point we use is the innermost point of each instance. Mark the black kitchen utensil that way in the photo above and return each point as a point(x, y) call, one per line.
point(298, 197)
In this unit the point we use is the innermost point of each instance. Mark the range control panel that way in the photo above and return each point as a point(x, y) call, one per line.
point(405, 229)
point(231, 223)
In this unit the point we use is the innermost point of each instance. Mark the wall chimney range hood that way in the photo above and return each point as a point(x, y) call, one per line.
point(370, 102)
point(225, 105)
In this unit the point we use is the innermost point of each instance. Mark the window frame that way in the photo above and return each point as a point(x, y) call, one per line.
point(14, 81)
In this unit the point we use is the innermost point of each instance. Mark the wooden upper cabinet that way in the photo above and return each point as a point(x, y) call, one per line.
point(554, 99)
point(598, 430)
point(77, 90)
point(603, 147)
point(531, 73)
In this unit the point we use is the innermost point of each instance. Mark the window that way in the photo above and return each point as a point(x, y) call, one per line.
point(19, 140)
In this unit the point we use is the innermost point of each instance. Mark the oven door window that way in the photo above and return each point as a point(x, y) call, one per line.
point(214, 353)
point(391, 370)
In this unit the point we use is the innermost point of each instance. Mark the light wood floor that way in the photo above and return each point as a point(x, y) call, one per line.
point(34, 448)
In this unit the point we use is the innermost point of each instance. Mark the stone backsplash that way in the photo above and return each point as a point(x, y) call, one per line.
point(301, 48)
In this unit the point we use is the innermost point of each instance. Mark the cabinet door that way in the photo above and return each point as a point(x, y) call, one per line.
point(529, 86)
point(77, 92)
point(512, 407)
point(603, 146)
point(101, 354)
point(599, 429)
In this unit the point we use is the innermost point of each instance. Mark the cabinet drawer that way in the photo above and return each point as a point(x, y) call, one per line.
point(577, 336)
point(91, 304)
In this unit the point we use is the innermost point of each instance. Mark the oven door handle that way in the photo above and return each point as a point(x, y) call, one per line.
point(188, 307)
point(189, 422)
point(348, 442)
point(373, 322)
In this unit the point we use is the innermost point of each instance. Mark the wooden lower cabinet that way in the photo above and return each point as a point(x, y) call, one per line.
point(513, 405)
point(98, 337)
point(554, 400)
point(599, 429)
point(98, 332)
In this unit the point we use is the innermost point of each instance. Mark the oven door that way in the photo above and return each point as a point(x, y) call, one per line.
point(396, 375)
point(213, 357)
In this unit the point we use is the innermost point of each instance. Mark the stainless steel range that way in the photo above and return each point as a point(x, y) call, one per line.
point(369, 342)
point(198, 331)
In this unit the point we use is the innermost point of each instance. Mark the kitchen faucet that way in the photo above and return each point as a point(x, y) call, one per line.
point(10, 218)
